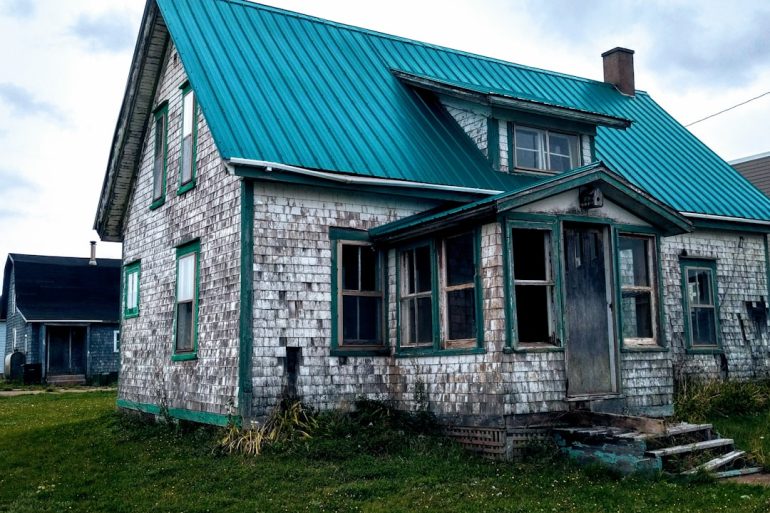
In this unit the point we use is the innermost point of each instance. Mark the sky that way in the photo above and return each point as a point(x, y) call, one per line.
point(63, 70)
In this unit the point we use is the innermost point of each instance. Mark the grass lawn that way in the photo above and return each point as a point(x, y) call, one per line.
point(72, 452)
point(750, 432)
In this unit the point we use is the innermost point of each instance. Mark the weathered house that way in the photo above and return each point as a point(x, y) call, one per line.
point(755, 169)
point(63, 314)
point(311, 208)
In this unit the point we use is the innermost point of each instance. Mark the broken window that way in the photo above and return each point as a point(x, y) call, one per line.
point(186, 310)
point(360, 295)
point(416, 296)
point(701, 303)
point(533, 286)
point(638, 284)
point(544, 150)
point(159, 157)
point(459, 290)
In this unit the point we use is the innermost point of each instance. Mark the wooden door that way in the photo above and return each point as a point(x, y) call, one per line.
point(590, 348)
point(66, 350)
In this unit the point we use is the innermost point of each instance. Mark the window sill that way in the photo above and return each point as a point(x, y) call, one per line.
point(157, 203)
point(186, 187)
point(131, 315)
point(532, 348)
point(349, 351)
point(408, 352)
point(705, 350)
point(181, 357)
point(630, 347)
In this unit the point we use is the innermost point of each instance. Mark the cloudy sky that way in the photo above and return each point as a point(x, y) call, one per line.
point(64, 67)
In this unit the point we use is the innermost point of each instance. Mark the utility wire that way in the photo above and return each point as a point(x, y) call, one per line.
point(729, 108)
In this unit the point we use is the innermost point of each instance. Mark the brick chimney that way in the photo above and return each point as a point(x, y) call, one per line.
point(619, 69)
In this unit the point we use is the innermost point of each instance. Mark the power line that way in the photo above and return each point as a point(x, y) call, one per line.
point(729, 108)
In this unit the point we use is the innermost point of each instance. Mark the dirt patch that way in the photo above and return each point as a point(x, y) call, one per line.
point(753, 479)
point(14, 393)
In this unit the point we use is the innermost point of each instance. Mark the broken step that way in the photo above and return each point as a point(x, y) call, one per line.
point(721, 461)
point(738, 472)
point(698, 446)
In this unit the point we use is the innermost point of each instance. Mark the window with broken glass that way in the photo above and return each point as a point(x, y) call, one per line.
point(417, 296)
point(701, 304)
point(160, 149)
point(534, 288)
point(638, 289)
point(459, 291)
point(360, 296)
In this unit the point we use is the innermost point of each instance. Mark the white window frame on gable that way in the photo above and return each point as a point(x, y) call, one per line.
point(116, 341)
point(544, 149)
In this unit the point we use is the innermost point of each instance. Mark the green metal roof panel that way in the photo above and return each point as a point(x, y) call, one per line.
point(280, 86)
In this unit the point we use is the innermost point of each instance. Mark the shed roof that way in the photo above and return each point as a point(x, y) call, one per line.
point(51, 288)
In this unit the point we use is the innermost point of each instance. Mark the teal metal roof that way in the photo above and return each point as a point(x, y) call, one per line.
point(284, 87)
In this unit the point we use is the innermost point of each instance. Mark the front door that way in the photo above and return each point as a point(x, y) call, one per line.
point(590, 346)
point(66, 350)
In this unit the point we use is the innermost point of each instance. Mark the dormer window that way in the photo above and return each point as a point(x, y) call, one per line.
point(544, 150)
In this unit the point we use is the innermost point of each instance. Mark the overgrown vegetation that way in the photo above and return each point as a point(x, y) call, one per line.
point(73, 452)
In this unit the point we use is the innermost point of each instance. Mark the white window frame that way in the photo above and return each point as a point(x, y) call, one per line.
point(652, 289)
point(544, 149)
point(116, 341)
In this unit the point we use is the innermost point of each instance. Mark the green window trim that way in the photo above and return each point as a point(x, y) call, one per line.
point(438, 344)
point(339, 237)
point(709, 264)
point(660, 341)
point(189, 248)
point(189, 185)
point(548, 224)
point(160, 113)
point(130, 270)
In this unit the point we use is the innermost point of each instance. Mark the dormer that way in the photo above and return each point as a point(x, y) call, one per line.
point(519, 133)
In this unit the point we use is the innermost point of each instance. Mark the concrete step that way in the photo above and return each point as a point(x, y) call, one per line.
point(720, 461)
point(697, 446)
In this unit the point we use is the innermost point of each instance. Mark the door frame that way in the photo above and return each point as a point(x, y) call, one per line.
point(86, 344)
point(612, 314)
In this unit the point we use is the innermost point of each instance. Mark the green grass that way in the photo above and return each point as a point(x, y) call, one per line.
point(751, 434)
point(72, 452)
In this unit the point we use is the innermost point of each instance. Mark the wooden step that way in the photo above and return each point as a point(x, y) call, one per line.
point(739, 472)
point(678, 429)
point(721, 461)
point(698, 446)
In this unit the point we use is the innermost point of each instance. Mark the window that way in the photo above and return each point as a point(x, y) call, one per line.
point(189, 134)
point(638, 289)
point(544, 150)
point(417, 297)
point(186, 309)
point(459, 290)
point(360, 296)
point(160, 151)
point(438, 295)
point(701, 305)
point(131, 274)
point(116, 341)
point(533, 287)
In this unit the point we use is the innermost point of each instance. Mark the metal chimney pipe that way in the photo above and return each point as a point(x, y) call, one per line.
point(93, 253)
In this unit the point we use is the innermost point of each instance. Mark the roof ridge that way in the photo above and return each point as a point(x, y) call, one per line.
point(385, 35)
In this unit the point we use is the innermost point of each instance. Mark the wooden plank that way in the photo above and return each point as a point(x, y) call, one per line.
point(739, 472)
point(679, 429)
point(699, 446)
point(591, 418)
point(716, 462)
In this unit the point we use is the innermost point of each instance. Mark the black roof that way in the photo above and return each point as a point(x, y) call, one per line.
point(50, 288)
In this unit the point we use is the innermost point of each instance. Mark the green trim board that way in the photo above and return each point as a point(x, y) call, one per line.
point(337, 238)
point(202, 417)
point(160, 114)
point(186, 186)
point(437, 344)
point(246, 301)
point(134, 267)
point(546, 223)
point(709, 264)
point(190, 248)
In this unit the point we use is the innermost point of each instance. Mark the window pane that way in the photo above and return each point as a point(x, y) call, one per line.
point(131, 290)
point(530, 258)
point(526, 158)
point(559, 163)
point(187, 159)
point(370, 319)
point(424, 320)
point(369, 268)
point(461, 314)
point(186, 278)
point(184, 325)
point(160, 134)
point(634, 270)
point(699, 285)
point(559, 144)
point(409, 270)
point(422, 265)
point(460, 266)
point(637, 315)
point(528, 148)
point(532, 304)
point(704, 331)
point(349, 318)
point(350, 267)
point(188, 116)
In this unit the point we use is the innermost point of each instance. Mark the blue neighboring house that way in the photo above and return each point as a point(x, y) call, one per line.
point(62, 313)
